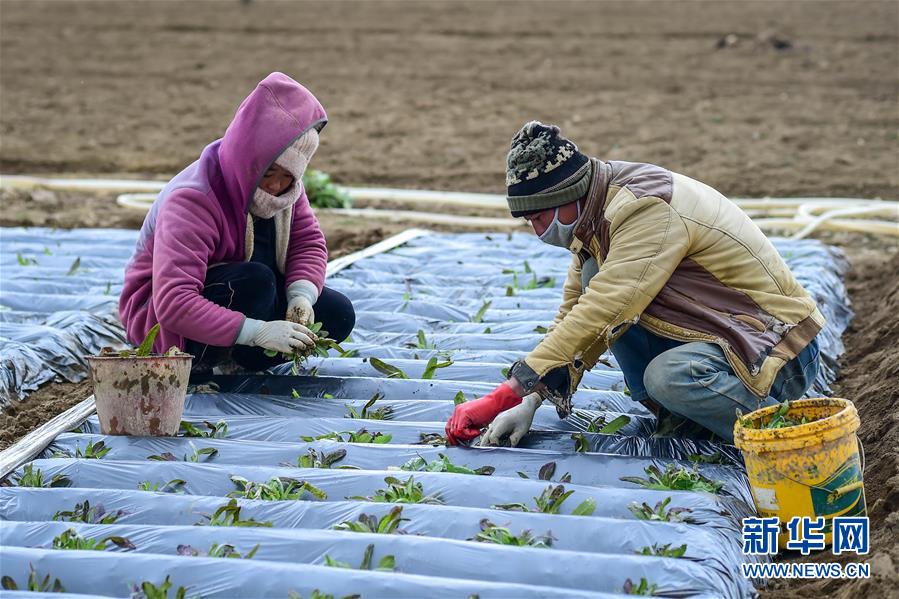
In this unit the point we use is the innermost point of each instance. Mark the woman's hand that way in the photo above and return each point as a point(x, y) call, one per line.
point(300, 311)
point(279, 335)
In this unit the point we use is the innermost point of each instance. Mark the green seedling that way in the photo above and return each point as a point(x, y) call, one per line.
point(276, 489)
point(388, 524)
point(712, 458)
point(433, 439)
point(70, 539)
point(385, 564)
point(148, 590)
point(664, 550)
point(421, 342)
point(779, 419)
point(24, 260)
point(360, 436)
point(644, 588)
point(532, 283)
point(550, 502)
point(488, 331)
point(547, 471)
point(75, 266)
point(173, 486)
point(36, 584)
point(320, 459)
point(581, 444)
point(93, 451)
point(661, 512)
point(219, 430)
point(443, 464)
point(34, 477)
point(398, 491)
point(108, 288)
point(204, 454)
point(367, 413)
point(83, 512)
point(217, 550)
point(322, 192)
point(351, 353)
point(599, 425)
point(675, 478)
point(491, 533)
point(434, 364)
point(541, 329)
point(479, 316)
point(229, 515)
point(319, 348)
point(459, 398)
point(383, 367)
point(146, 346)
point(144, 350)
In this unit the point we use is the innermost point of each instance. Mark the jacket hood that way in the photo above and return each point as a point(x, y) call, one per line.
point(276, 113)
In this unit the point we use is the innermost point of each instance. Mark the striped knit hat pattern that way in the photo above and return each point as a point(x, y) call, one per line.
point(544, 170)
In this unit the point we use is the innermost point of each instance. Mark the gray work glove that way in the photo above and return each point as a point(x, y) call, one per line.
point(301, 295)
point(514, 423)
point(278, 335)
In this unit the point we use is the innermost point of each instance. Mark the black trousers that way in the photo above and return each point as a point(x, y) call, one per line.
point(257, 291)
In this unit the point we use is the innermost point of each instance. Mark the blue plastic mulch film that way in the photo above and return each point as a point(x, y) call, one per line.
point(300, 473)
point(58, 303)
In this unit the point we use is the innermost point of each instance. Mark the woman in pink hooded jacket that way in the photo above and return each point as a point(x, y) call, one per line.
point(231, 260)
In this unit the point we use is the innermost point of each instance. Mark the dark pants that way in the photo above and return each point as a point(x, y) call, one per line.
point(255, 290)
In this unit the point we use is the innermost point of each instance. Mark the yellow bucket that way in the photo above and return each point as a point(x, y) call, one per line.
point(811, 469)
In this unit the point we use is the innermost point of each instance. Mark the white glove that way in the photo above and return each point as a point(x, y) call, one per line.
point(300, 297)
point(279, 335)
point(513, 423)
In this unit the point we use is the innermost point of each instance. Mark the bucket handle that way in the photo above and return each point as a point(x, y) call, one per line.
point(841, 490)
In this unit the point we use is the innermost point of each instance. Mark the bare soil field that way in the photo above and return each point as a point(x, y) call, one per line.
point(755, 98)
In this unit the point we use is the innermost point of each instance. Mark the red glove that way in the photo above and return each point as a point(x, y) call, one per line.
point(470, 417)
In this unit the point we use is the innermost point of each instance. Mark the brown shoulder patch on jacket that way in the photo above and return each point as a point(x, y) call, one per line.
point(596, 201)
point(643, 179)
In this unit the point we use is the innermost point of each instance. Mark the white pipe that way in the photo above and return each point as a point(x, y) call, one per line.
point(832, 214)
point(436, 218)
point(803, 210)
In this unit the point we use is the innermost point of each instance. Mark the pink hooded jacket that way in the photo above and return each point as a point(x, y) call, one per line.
point(200, 218)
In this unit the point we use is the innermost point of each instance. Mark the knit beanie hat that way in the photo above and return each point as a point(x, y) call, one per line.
point(544, 170)
point(294, 160)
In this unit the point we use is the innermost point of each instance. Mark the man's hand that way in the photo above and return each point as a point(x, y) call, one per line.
point(514, 423)
point(300, 311)
point(468, 418)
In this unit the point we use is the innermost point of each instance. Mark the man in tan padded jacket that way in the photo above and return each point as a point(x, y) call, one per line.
point(698, 308)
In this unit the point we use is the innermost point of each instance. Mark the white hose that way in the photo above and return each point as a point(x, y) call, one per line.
point(769, 213)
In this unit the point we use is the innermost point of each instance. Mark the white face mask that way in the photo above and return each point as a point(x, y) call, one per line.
point(558, 234)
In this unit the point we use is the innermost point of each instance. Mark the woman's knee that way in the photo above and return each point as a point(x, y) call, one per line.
point(336, 313)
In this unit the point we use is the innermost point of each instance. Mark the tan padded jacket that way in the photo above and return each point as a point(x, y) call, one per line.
point(687, 264)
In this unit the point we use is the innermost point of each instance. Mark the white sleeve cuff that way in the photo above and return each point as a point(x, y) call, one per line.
point(248, 331)
point(302, 288)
